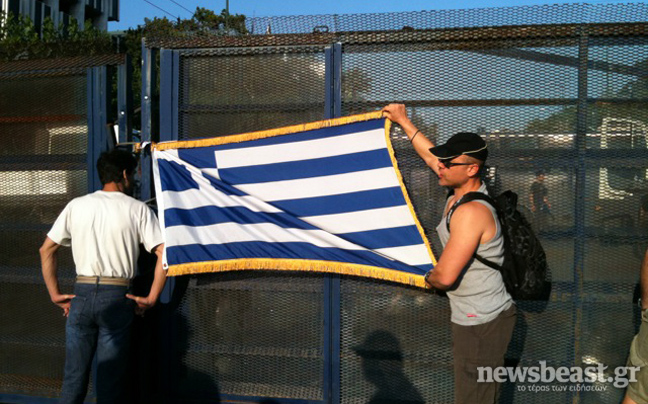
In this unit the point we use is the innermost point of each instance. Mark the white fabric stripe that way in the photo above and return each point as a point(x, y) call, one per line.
point(161, 207)
point(410, 254)
point(206, 195)
point(233, 232)
point(212, 172)
point(323, 186)
point(198, 198)
point(306, 150)
point(364, 220)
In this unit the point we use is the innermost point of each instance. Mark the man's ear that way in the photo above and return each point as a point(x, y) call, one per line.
point(124, 175)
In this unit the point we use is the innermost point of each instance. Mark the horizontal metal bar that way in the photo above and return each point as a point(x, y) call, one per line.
point(490, 102)
point(42, 118)
point(48, 162)
point(246, 108)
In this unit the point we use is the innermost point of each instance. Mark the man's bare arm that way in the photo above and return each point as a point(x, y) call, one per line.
point(398, 114)
point(159, 279)
point(467, 226)
point(48, 255)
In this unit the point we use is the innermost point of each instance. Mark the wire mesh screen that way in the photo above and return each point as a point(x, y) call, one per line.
point(229, 92)
point(250, 335)
point(563, 110)
point(243, 334)
point(434, 19)
point(43, 146)
point(524, 98)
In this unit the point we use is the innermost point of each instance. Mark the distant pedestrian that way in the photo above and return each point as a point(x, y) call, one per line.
point(539, 201)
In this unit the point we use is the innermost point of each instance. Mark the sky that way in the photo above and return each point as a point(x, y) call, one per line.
point(133, 12)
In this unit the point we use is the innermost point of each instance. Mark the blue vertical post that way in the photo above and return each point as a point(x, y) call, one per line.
point(125, 100)
point(581, 150)
point(169, 93)
point(98, 99)
point(332, 295)
point(169, 76)
point(149, 78)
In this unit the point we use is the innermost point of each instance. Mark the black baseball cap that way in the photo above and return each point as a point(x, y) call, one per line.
point(468, 143)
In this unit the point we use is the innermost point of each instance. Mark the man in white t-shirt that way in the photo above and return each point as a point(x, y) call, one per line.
point(104, 229)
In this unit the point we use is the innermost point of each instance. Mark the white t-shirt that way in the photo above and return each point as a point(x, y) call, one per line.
point(104, 230)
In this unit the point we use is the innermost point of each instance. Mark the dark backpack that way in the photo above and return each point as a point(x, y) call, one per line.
point(524, 270)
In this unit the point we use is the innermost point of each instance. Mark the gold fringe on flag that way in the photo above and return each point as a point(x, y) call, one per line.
point(286, 130)
point(280, 264)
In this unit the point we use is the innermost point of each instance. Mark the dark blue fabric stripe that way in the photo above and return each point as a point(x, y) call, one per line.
point(309, 135)
point(385, 238)
point(342, 203)
point(255, 249)
point(425, 268)
point(175, 177)
point(354, 162)
point(209, 215)
point(202, 157)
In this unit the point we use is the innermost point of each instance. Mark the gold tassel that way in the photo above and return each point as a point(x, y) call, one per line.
point(287, 130)
point(277, 264)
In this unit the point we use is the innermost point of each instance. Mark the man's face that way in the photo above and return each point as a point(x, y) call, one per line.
point(454, 172)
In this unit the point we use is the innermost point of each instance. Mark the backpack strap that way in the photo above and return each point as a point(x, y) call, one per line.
point(469, 197)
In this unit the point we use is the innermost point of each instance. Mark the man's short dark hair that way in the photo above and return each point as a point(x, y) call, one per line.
point(112, 163)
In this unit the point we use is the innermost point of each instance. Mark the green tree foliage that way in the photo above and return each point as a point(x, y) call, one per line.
point(19, 39)
point(203, 22)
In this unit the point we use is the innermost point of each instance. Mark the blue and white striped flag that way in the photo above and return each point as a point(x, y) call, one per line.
point(325, 196)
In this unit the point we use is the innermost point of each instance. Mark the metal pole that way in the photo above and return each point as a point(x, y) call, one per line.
point(579, 247)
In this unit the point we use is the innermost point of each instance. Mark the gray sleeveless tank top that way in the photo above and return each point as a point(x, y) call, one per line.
point(480, 294)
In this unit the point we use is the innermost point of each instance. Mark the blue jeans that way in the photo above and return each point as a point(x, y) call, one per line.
point(99, 322)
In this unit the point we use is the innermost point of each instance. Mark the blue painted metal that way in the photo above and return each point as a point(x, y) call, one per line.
point(336, 321)
point(17, 398)
point(90, 157)
point(168, 119)
point(125, 100)
point(169, 75)
point(149, 79)
point(98, 99)
point(332, 317)
point(169, 87)
point(579, 217)
point(99, 138)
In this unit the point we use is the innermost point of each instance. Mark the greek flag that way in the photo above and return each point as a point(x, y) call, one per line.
point(325, 196)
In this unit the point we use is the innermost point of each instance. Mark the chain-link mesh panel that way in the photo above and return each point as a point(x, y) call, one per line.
point(395, 344)
point(43, 143)
point(225, 93)
point(434, 19)
point(524, 98)
point(563, 110)
point(249, 334)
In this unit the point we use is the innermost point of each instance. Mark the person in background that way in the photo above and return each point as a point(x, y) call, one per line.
point(539, 202)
